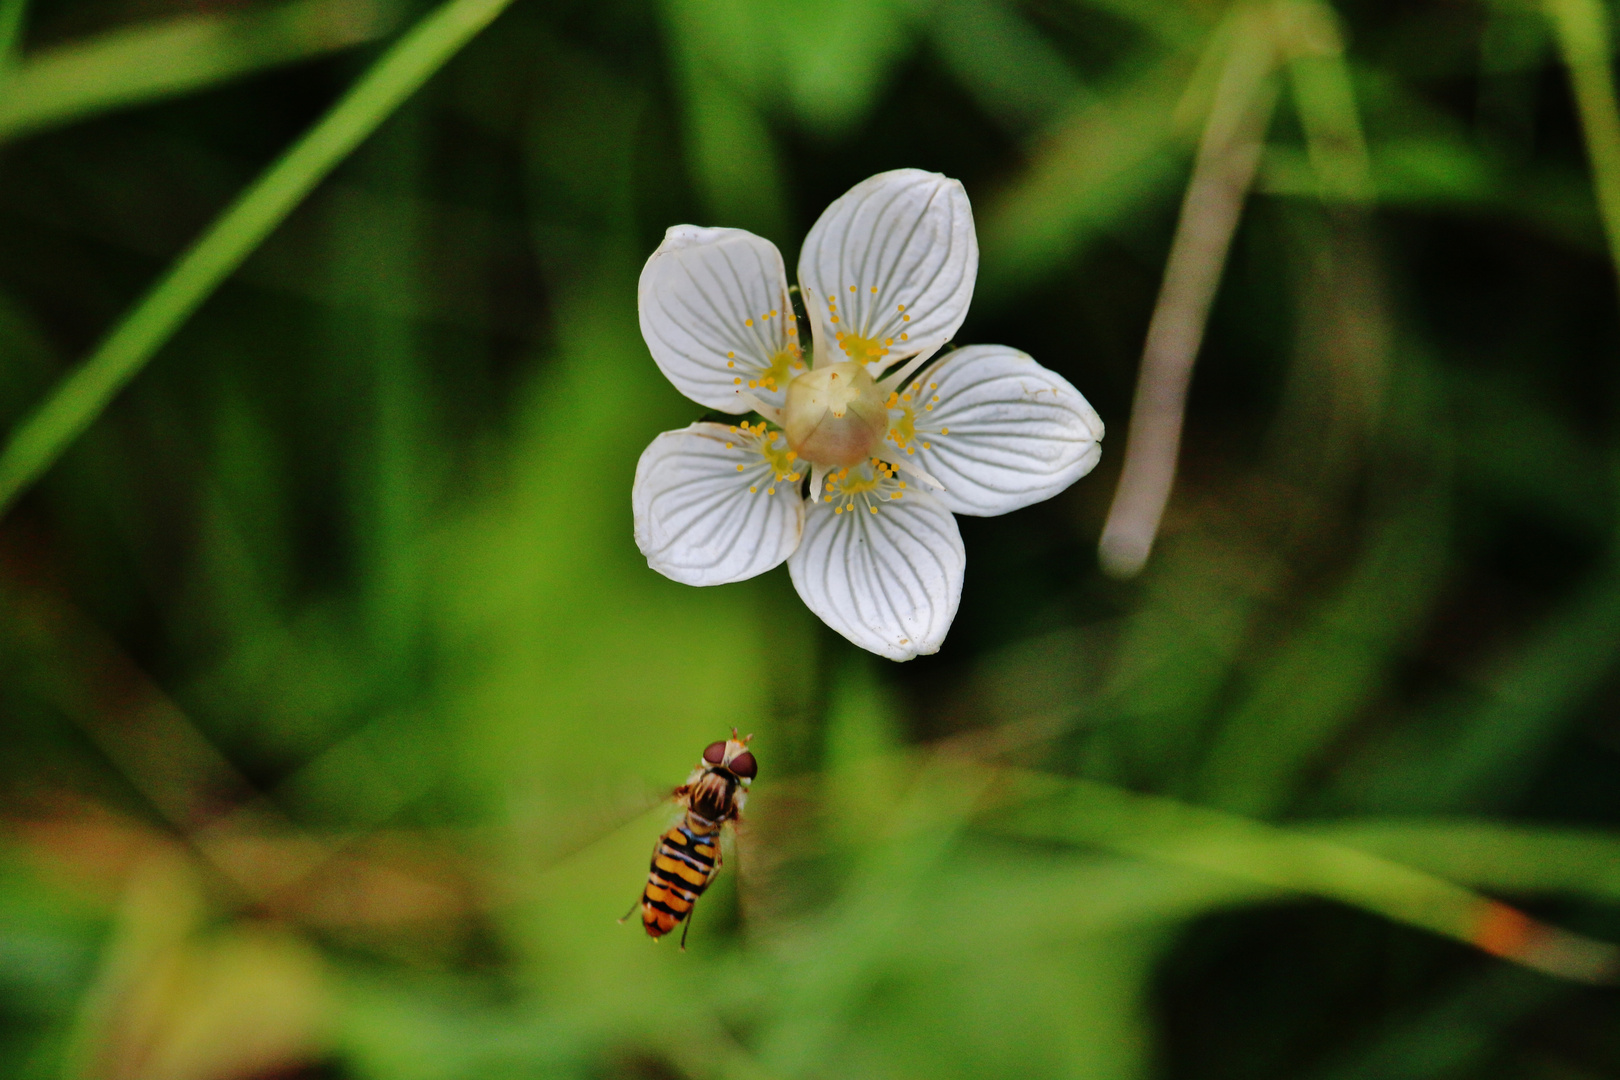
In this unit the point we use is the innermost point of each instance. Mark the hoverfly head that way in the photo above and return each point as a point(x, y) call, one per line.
point(733, 756)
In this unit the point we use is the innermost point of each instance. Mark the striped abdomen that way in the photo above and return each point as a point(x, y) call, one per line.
point(683, 864)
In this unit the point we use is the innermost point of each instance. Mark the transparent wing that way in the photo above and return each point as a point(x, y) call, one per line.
point(777, 845)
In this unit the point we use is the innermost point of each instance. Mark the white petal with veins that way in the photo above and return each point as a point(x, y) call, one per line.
point(895, 257)
point(696, 519)
point(1003, 432)
point(888, 581)
point(716, 317)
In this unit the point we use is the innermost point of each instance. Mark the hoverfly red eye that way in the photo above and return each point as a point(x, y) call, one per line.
point(744, 765)
point(714, 753)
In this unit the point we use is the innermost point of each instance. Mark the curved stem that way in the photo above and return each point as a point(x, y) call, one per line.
point(1228, 154)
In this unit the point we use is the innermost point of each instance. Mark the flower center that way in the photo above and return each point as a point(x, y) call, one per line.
point(834, 415)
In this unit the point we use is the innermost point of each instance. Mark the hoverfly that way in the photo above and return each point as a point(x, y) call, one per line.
point(687, 857)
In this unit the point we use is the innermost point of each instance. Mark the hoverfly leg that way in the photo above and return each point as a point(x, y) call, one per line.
point(631, 912)
point(687, 928)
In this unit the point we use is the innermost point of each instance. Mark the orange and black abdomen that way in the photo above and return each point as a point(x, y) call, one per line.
point(683, 864)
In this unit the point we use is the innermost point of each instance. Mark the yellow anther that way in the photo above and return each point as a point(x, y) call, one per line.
point(872, 508)
point(905, 318)
point(739, 468)
point(852, 288)
point(753, 489)
point(835, 319)
point(896, 495)
point(902, 307)
point(748, 322)
point(927, 446)
point(936, 397)
point(737, 381)
point(836, 509)
point(874, 288)
point(905, 337)
point(731, 363)
point(730, 445)
point(933, 386)
point(770, 491)
point(888, 341)
point(944, 431)
point(928, 408)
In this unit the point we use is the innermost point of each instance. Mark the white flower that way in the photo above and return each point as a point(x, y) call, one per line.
point(886, 451)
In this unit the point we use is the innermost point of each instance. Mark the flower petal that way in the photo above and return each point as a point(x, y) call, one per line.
point(997, 429)
point(716, 316)
point(708, 509)
point(895, 258)
point(889, 581)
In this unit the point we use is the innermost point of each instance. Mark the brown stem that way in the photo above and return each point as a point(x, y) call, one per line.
point(1228, 154)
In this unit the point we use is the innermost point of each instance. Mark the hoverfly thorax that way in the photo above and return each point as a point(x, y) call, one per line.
point(718, 787)
point(687, 857)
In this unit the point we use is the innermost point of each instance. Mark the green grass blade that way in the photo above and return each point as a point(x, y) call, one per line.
point(1302, 699)
point(1114, 152)
point(76, 403)
point(1473, 756)
point(1492, 855)
point(1294, 861)
point(133, 66)
point(1582, 29)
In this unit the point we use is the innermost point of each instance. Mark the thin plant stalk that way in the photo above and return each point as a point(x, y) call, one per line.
point(1228, 155)
point(74, 404)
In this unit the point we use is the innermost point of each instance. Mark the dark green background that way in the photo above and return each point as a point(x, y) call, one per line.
point(335, 696)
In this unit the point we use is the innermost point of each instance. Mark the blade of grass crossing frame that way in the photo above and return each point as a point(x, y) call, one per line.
point(1500, 856)
point(1582, 29)
point(1291, 861)
point(81, 397)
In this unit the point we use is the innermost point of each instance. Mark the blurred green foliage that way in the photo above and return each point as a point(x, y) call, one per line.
point(337, 704)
